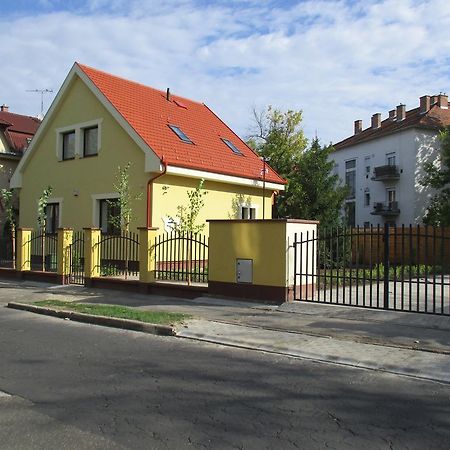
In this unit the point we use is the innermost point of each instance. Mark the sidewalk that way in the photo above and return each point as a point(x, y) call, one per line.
point(404, 343)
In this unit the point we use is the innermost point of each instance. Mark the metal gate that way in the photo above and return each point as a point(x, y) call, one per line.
point(393, 268)
point(76, 258)
point(181, 257)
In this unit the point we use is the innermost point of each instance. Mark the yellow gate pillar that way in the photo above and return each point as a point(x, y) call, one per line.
point(147, 263)
point(65, 236)
point(91, 254)
point(23, 257)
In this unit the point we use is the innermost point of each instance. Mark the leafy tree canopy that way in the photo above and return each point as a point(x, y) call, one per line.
point(437, 176)
point(313, 191)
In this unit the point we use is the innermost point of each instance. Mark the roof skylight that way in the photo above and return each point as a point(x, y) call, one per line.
point(180, 134)
point(233, 148)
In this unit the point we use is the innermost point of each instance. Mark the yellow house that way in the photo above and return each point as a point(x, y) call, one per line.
point(99, 122)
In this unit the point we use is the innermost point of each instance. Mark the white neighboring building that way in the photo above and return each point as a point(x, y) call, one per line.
point(383, 164)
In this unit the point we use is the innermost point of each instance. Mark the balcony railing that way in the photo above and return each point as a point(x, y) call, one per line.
point(386, 209)
point(387, 172)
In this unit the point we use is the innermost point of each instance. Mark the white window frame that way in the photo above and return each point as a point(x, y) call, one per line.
point(96, 206)
point(59, 201)
point(79, 138)
point(248, 206)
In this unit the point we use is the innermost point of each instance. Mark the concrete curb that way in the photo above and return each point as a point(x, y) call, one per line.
point(406, 362)
point(126, 324)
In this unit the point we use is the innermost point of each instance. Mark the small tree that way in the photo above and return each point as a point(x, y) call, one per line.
point(186, 217)
point(125, 200)
point(125, 205)
point(8, 204)
point(437, 176)
point(42, 218)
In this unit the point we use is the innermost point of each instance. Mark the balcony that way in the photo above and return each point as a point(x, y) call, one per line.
point(389, 209)
point(388, 172)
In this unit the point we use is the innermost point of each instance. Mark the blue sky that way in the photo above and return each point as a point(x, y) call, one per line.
point(335, 60)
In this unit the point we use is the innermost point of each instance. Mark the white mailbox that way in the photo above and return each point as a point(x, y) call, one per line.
point(244, 271)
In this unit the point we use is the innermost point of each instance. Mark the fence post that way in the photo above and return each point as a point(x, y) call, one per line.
point(147, 263)
point(91, 254)
point(65, 237)
point(386, 267)
point(23, 256)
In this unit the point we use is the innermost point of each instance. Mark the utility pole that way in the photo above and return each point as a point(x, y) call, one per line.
point(42, 92)
point(264, 170)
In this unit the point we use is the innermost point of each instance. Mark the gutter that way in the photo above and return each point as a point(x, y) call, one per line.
point(150, 193)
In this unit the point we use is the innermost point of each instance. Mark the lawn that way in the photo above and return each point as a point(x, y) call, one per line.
point(120, 312)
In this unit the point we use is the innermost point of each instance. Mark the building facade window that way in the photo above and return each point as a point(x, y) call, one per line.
point(52, 218)
point(366, 198)
point(90, 141)
point(390, 159)
point(350, 177)
point(367, 165)
point(109, 213)
point(68, 145)
point(391, 196)
point(350, 214)
point(248, 212)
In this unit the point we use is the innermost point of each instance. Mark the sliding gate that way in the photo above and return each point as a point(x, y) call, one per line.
point(392, 268)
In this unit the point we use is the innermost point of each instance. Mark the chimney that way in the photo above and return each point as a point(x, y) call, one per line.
point(425, 104)
point(358, 126)
point(376, 120)
point(168, 95)
point(401, 112)
point(4, 108)
point(434, 100)
point(392, 114)
point(442, 101)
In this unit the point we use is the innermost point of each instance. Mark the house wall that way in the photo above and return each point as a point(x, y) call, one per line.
point(75, 181)
point(77, 184)
point(412, 148)
point(222, 201)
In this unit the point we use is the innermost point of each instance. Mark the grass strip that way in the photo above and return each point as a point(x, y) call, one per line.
point(119, 312)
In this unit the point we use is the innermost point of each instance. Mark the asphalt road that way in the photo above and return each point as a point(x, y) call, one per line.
point(77, 386)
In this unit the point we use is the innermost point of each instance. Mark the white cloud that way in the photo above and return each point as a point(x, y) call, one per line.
point(337, 61)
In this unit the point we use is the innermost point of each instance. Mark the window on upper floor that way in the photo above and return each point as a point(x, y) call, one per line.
point(366, 198)
point(232, 147)
point(350, 177)
point(390, 159)
point(68, 145)
point(90, 141)
point(180, 134)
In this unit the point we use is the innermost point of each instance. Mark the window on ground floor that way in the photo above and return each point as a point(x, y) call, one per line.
point(52, 218)
point(109, 211)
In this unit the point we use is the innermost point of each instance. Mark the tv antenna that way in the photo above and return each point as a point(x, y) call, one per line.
point(42, 92)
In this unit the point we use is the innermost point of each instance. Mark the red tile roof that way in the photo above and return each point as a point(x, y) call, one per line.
point(435, 119)
point(149, 113)
point(18, 129)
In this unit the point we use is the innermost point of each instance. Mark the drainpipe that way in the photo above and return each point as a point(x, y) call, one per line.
point(150, 193)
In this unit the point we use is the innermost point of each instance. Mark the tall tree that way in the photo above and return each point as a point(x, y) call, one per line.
point(437, 176)
point(313, 191)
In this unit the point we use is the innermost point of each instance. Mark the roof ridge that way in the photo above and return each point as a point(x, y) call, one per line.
point(146, 86)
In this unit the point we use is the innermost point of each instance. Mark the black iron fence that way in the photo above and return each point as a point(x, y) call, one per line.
point(7, 251)
point(44, 254)
point(76, 258)
point(118, 255)
point(181, 257)
point(399, 268)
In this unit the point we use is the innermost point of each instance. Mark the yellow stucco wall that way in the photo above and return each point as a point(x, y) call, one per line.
point(262, 241)
point(222, 201)
point(75, 181)
point(83, 176)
